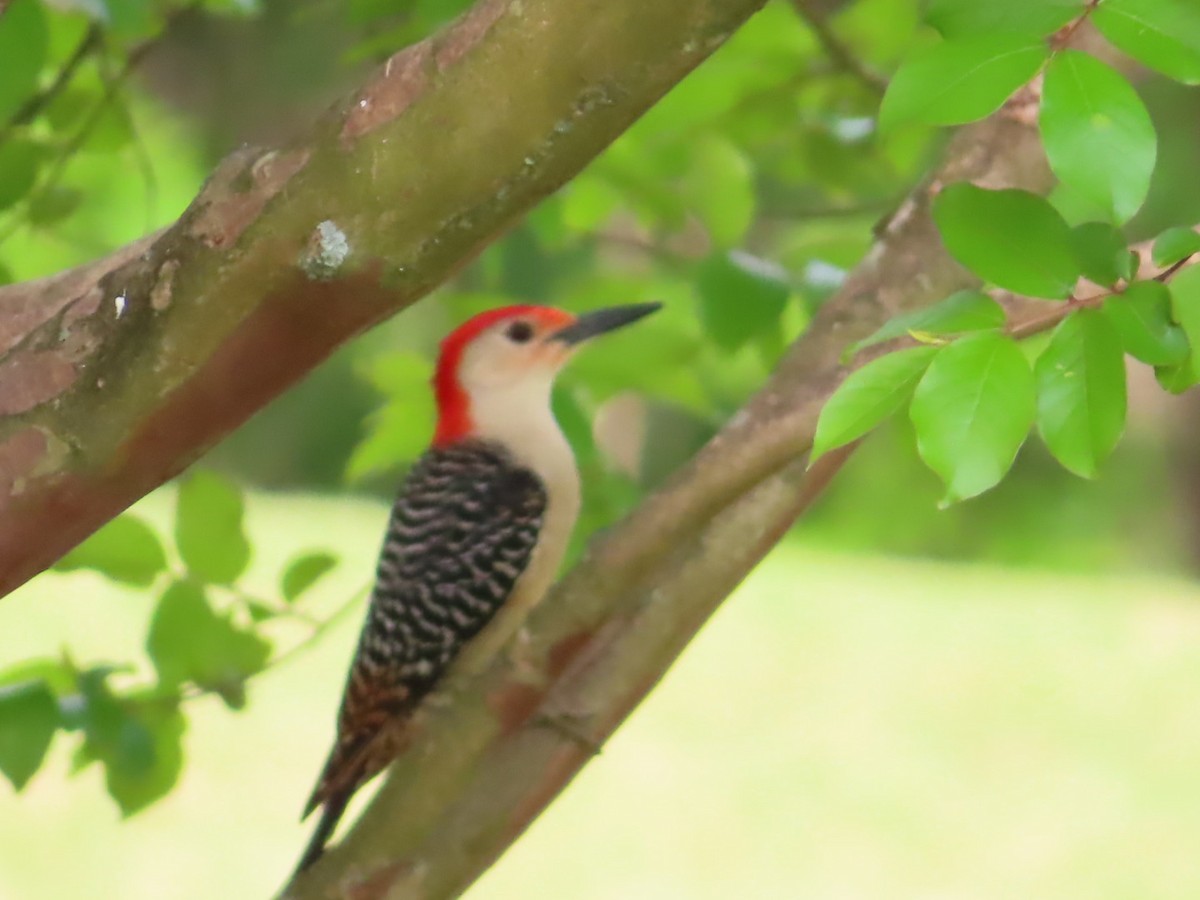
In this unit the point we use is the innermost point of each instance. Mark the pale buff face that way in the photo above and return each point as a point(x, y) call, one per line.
point(499, 361)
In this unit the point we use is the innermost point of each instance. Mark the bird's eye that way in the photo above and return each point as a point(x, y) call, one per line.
point(519, 332)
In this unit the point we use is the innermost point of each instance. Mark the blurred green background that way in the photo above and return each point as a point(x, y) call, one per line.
point(990, 700)
point(848, 726)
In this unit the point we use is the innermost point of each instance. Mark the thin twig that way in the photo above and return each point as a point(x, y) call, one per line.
point(320, 629)
point(1166, 274)
point(1061, 39)
point(837, 51)
point(144, 160)
point(71, 147)
point(1038, 324)
point(29, 110)
point(802, 213)
point(112, 85)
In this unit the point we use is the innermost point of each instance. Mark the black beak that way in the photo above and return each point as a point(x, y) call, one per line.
point(601, 321)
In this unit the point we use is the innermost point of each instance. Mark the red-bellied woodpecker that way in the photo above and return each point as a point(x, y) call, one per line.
point(475, 537)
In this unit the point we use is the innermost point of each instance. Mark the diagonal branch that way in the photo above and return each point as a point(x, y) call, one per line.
point(116, 375)
point(486, 763)
point(839, 54)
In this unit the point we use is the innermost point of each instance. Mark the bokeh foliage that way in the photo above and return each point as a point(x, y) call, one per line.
point(975, 398)
point(740, 201)
point(206, 635)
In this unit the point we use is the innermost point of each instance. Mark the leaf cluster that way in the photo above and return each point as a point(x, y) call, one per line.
point(207, 635)
point(63, 98)
point(972, 393)
point(739, 201)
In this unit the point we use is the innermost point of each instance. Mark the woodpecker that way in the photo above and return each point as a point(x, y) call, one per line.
point(475, 536)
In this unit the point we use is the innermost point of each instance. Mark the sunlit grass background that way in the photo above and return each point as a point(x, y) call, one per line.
point(846, 727)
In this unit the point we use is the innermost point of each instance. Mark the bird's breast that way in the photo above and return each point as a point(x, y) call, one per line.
point(554, 464)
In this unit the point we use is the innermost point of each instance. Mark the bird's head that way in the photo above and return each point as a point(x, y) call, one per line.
point(509, 356)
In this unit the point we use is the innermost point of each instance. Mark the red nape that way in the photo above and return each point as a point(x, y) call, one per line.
point(454, 406)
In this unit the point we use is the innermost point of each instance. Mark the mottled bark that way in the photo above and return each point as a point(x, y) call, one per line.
point(116, 375)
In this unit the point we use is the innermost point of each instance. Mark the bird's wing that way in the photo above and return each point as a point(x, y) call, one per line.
point(461, 532)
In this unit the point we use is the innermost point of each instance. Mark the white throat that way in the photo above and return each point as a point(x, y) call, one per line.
point(518, 416)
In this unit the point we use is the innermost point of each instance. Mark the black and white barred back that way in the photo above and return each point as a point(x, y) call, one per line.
point(461, 533)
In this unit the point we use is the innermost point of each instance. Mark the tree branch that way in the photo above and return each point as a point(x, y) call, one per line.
point(116, 375)
point(841, 55)
point(31, 108)
point(484, 764)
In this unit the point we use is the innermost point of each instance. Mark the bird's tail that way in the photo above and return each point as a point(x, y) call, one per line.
point(330, 815)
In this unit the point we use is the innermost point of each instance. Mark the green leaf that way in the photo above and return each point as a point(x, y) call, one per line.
point(399, 375)
point(303, 572)
point(1185, 309)
point(1176, 379)
point(137, 740)
point(190, 641)
point(56, 674)
point(1081, 391)
point(70, 107)
point(149, 758)
point(47, 207)
point(719, 189)
point(111, 131)
point(234, 7)
point(960, 80)
point(972, 411)
point(19, 161)
point(1102, 253)
point(1185, 302)
point(1142, 317)
point(132, 19)
point(587, 202)
point(126, 550)
point(398, 431)
point(1011, 238)
point(391, 440)
point(1175, 245)
point(208, 528)
point(24, 39)
point(1097, 133)
point(101, 715)
point(1035, 18)
point(259, 611)
point(962, 311)
point(868, 396)
point(28, 719)
point(740, 296)
point(1161, 34)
